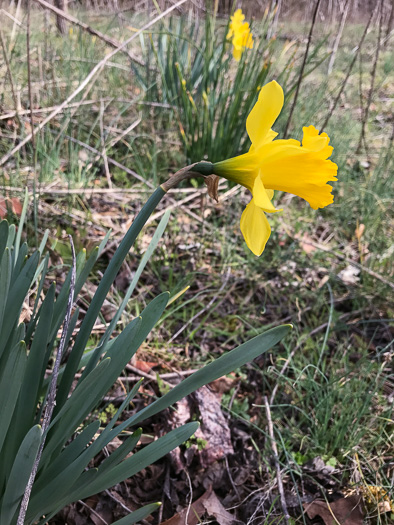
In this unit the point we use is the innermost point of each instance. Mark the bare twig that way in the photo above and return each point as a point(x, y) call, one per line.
point(12, 114)
point(104, 152)
point(86, 81)
point(9, 71)
point(338, 37)
point(343, 84)
point(276, 461)
point(302, 67)
point(93, 512)
point(110, 41)
point(33, 143)
point(51, 400)
point(371, 89)
point(15, 20)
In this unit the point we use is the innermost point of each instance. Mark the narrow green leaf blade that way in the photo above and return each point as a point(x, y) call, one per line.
point(142, 459)
point(10, 384)
point(20, 473)
point(218, 368)
point(138, 515)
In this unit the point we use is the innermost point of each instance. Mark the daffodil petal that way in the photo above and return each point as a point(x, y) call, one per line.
point(315, 142)
point(255, 228)
point(264, 113)
point(261, 197)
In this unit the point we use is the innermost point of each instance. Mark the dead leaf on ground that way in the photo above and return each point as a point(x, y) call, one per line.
point(306, 243)
point(12, 204)
point(346, 511)
point(144, 366)
point(208, 504)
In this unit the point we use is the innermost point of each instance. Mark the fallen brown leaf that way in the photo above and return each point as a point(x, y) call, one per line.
point(208, 504)
point(344, 511)
point(12, 204)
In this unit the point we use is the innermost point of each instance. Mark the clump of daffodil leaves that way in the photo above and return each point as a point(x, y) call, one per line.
point(240, 34)
point(287, 165)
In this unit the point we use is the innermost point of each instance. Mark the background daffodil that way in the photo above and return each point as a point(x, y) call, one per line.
point(239, 32)
point(285, 165)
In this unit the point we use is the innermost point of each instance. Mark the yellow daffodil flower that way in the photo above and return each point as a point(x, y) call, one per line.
point(284, 165)
point(239, 32)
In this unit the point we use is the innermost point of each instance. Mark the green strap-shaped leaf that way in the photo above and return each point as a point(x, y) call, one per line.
point(120, 453)
point(142, 459)
point(101, 293)
point(147, 255)
point(224, 365)
point(78, 406)
point(5, 279)
point(20, 473)
point(149, 318)
point(50, 507)
point(16, 296)
point(10, 384)
point(68, 455)
point(35, 368)
point(138, 515)
point(3, 237)
point(21, 223)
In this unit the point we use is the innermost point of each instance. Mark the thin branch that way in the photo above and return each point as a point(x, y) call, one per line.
point(15, 20)
point(110, 41)
point(12, 114)
point(343, 84)
point(302, 67)
point(104, 151)
point(338, 37)
point(373, 76)
point(9, 71)
point(276, 461)
point(51, 400)
point(86, 81)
